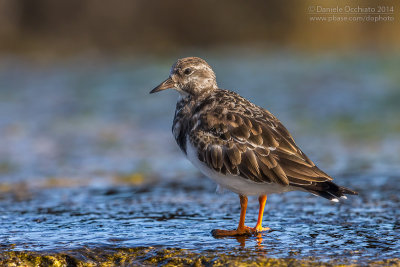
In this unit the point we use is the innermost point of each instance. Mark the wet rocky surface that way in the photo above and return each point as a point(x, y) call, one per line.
point(180, 214)
point(89, 172)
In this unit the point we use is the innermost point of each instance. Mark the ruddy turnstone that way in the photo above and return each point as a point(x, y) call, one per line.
point(239, 145)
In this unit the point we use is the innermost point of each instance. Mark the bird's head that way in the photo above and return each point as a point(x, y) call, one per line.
point(190, 76)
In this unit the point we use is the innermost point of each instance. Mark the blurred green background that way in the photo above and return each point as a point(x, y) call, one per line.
point(79, 26)
point(75, 77)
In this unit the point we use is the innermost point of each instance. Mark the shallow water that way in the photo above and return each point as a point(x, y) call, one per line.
point(87, 158)
point(182, 213)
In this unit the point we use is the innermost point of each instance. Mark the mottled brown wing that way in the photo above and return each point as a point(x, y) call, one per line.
point(260, 149)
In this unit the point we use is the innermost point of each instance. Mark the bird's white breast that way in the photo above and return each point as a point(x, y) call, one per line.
point(234, 183)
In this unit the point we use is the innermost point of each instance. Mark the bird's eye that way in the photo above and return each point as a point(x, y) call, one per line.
point(187, 71)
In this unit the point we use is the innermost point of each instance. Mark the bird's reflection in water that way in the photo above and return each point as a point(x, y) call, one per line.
point(258, 237)
point(241, 239)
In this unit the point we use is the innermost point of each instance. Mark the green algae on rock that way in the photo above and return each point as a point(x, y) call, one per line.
point(161, 256)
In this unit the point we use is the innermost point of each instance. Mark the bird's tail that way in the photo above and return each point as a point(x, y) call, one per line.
point(329, 190)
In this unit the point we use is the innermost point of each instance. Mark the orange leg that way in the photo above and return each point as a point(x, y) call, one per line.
point(242, 229)
point(261, 200)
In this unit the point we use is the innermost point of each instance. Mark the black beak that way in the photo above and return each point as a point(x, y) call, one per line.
point(168, 83)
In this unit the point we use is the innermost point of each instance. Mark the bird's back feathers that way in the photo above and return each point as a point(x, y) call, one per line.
point(235, 137)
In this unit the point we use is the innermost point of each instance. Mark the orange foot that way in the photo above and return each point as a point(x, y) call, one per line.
point(244, 231)
point(258, 229)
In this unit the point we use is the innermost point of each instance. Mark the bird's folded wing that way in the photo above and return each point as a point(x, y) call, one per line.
point(259, 149)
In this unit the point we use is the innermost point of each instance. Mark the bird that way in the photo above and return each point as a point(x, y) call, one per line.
point(241, 146)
